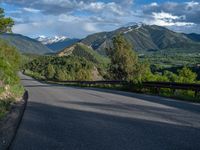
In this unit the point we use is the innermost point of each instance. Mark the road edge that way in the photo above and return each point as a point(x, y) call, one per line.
point(10, 124)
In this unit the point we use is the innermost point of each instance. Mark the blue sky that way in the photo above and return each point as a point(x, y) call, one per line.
point(78, 18)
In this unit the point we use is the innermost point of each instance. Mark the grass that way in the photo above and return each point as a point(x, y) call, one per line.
point(5, 106)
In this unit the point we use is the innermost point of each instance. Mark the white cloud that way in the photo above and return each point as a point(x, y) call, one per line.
point(154, 4)
point(102, 7)
point(192, 4)
point(53, 25)
point(69, 18)
point(31, 10)
point(90, 27)
point(164, 15)
point(167, 19)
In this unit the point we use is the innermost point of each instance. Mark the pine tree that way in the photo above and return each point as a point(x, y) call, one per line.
point(124, 62)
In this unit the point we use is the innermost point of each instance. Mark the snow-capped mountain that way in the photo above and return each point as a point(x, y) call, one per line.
point(134, 24)
point(56, 43)
point(50, 40)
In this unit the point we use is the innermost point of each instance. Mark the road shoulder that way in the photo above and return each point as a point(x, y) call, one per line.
point(10, 123)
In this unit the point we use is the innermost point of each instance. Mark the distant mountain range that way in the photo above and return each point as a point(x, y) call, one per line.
point(25, 44)
point(193, 36)
point(49, 40)
point(57, 43)
point(146, 38)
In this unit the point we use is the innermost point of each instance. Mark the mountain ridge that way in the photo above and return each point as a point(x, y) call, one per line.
point(57, 43)
point(25, 44)
point(144, 38)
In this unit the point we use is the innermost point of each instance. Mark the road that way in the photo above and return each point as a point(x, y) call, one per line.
point(71, 118)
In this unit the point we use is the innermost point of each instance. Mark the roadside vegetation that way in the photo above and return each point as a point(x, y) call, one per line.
point(10, 87)
point(60, 68)
point(124, 64)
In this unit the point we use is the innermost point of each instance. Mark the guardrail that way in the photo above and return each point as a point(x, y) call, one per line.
point(173, 86)
point(103, 82)
point(157, 86)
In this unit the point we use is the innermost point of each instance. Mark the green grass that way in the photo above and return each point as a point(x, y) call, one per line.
point(5, 107)
point(10, 61)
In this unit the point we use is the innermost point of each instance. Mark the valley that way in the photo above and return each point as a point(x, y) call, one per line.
point(84, 75)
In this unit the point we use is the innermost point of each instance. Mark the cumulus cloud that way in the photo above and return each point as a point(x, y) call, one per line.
point(191, 10)
point(78, 18)
point(31, 10)
point(167, 19)
point(67, 6)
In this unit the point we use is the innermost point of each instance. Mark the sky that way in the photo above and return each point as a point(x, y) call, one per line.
point(79, 18)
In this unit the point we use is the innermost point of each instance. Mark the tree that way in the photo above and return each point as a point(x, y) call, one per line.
point(124, 62)
point(5, 23)
point(60, 75)
point(186, 75)
point(82, 75)
point(50, 72)
point(172, 77)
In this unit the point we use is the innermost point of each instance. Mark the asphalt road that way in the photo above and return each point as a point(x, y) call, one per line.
point(69, 118)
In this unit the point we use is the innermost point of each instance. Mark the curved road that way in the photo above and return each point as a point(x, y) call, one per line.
point(69, 118)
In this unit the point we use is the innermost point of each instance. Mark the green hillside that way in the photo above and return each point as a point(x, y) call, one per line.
point(25, 44)
point(85, 51)
point(144, 39)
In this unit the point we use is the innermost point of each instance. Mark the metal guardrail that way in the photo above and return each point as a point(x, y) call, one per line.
point(149, 85)
point(173, 86)
point(96, 82)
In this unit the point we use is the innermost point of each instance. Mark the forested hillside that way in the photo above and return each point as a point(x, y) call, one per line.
point(62, 68)
point(144, 39)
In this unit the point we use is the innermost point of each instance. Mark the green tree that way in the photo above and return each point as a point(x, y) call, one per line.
point(82, 75)
point(5, 23)
point(50, 72)
point(186, 75)
point(124, 62)
point(172, 77)
point(60, 75)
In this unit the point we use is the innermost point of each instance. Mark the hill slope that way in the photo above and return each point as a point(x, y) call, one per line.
point(193, 36)
point(25, 44)
point(85, 51)
point(144, 38)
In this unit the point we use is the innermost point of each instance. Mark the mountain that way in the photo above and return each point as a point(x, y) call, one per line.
point(57, 46)
point(193, 36)
point(49, 40)
point(57, 43)
point(144, 38)
point(25, 44)
point(82, 50)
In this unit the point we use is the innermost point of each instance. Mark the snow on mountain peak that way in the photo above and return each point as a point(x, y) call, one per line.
point(49, 40)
